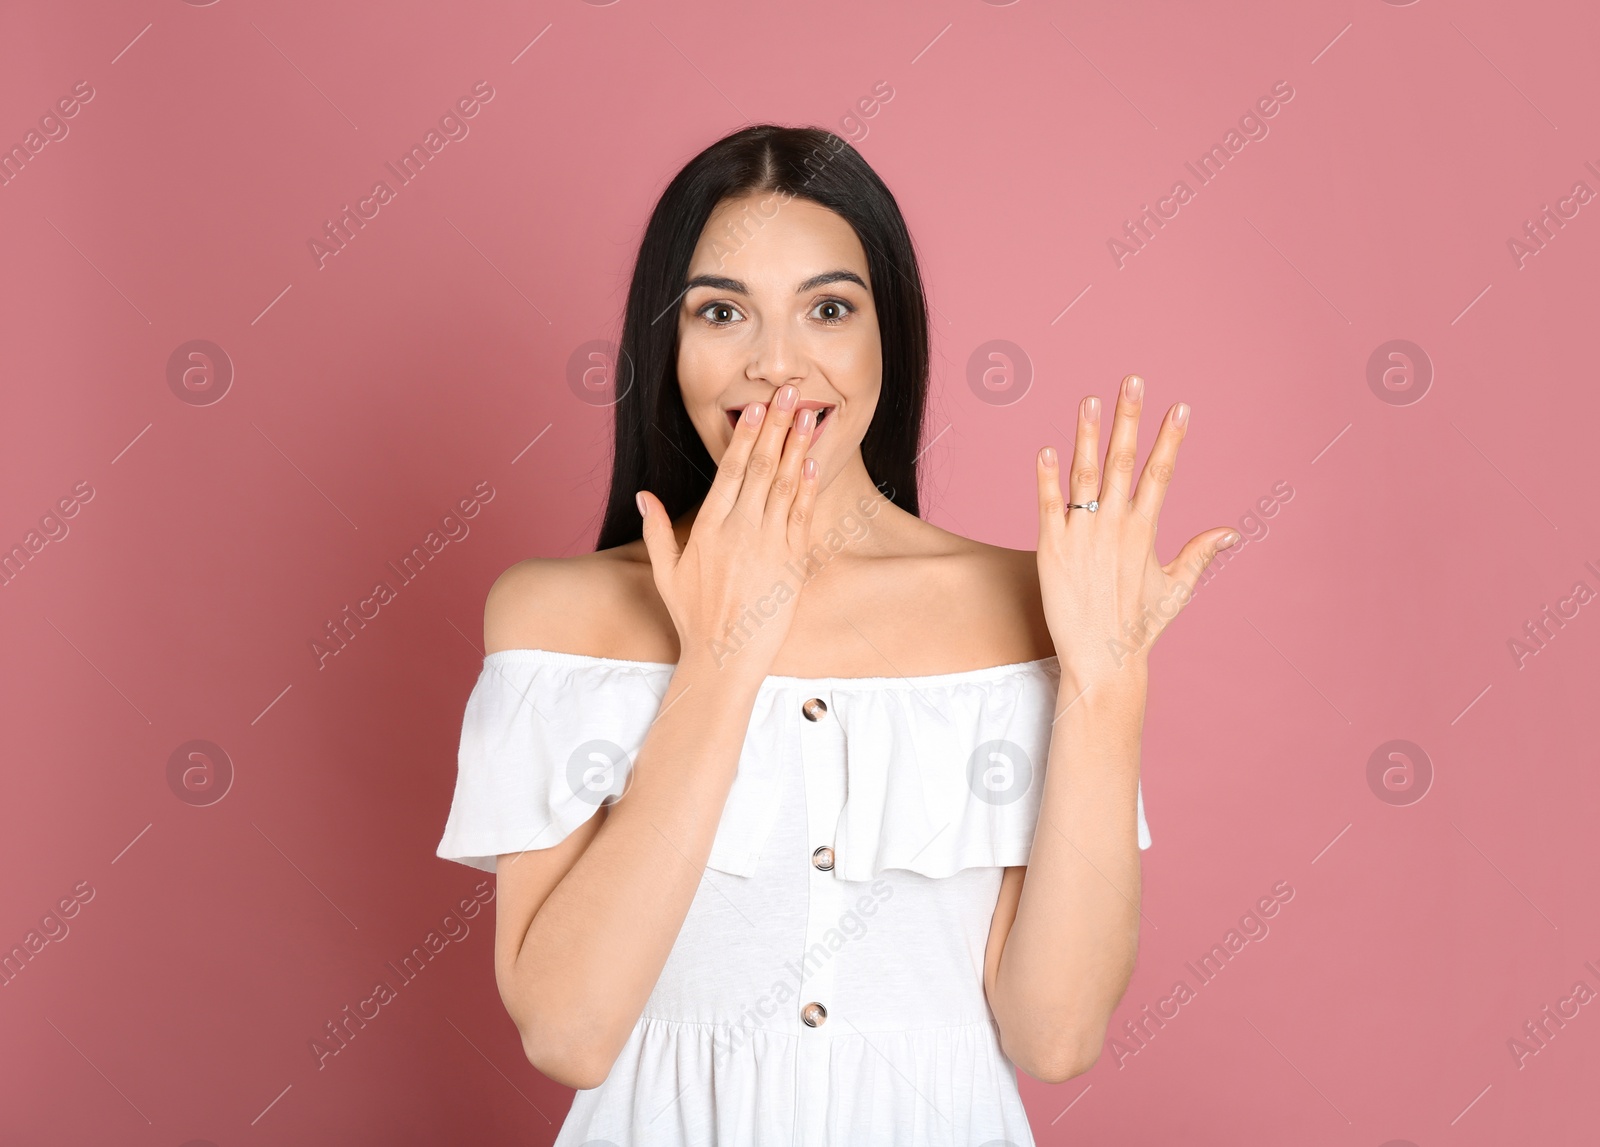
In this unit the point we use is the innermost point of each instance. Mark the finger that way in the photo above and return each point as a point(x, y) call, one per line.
point(763, 461)
point(1193, 559)
point(804, 506)
point(724, 492)
point(1163, 460)
point(1052, 507)
point(786, 482)
point(1085, 476)
point(1122, 449)
point(659, 540)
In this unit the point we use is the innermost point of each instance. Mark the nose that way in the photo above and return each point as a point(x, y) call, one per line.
point(777, 357)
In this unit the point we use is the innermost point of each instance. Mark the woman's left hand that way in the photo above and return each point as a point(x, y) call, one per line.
point(1107, 597)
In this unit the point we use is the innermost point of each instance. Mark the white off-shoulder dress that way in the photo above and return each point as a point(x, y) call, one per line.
point(827, 985)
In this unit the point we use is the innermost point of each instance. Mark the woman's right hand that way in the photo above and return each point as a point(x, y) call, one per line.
point(732, 589)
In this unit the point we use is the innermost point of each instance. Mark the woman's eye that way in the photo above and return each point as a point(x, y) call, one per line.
point(837, 310)
point(718, 314)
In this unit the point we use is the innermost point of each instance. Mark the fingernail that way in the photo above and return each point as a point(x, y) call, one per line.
point(1048, 455)
point(753, 413)
point(804, 422)
point(638, 500)
point(1091, 408)
point(1229, 538)
point(1180, 416)
point(809, 467)
point(1133, 387)
point(787, 397)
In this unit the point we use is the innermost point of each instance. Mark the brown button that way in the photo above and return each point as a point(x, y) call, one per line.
point(814, 1014)
point(822, 858)
point(814, 709)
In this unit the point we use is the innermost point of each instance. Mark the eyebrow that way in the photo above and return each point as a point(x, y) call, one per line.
point(722, 283)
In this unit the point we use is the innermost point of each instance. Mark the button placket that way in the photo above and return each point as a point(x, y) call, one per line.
point(822, 750)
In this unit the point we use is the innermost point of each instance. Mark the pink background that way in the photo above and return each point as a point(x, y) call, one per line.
point(372, 395)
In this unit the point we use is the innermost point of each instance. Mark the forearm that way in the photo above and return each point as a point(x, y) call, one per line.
point(595, 949)
point(1070, 950)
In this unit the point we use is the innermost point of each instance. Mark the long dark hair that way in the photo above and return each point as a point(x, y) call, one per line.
point(657, 447)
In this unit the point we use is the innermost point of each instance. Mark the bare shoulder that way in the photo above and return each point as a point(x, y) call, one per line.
point(601, 604)
point(1002, 586)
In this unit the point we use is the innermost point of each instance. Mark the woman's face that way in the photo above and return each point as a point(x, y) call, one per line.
point(778, 293)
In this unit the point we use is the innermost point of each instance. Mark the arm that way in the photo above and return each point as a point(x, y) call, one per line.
point(1072, 922)
point(1066, 933)
point(585, 927)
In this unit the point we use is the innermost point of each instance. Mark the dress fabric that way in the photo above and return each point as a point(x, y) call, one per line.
point(923, 788)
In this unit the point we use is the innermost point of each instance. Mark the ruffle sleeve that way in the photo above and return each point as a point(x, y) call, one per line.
point(947, 773)
point(548, 738)
point(543, 746)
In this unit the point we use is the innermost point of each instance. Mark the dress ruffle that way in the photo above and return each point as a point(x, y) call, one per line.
point(943, 772)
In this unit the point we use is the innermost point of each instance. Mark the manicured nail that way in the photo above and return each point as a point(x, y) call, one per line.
point(1048, 457)
point(638, 500)
point(1091, 409)
point(1133, 387)
point(788, 396)
point(804, 422)
point(753, 413)
point(1180, 416)
point(1228, 539)
point(809, 468)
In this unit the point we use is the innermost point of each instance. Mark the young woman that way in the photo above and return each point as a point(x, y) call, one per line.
point(813, 821)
